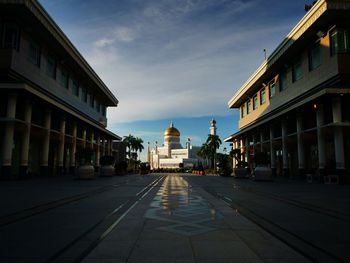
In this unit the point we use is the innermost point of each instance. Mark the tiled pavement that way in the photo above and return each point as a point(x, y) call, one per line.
point(182, 223)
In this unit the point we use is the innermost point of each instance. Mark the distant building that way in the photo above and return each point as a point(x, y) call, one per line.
point(172, 155)
point(295, 106)
point(52, 103)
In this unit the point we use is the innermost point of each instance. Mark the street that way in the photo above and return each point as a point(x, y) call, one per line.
point(173, 218)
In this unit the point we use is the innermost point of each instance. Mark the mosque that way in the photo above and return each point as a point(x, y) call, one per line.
point(172, 155)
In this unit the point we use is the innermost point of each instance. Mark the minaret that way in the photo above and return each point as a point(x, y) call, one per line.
point(148, 153)
point(188, 146)
point(212, 127)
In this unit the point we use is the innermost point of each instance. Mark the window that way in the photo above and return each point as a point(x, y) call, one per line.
point(51, 67)
point(339, 41)
point(248, 106)
point(283, 80)
point(34, 53)
point(84, 96)
point(92, 101)
point(243, 110)
point(255, 102)
point(64, 80)
point(315, 56)
point(75, 88)
point(10, 36)
point(103, 110)
point(272, 89)
point(262, 96)
point(297, 71)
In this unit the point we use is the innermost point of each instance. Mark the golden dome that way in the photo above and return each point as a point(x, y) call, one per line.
point(171, 131)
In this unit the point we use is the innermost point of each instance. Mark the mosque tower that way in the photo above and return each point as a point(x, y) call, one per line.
point(212, 127)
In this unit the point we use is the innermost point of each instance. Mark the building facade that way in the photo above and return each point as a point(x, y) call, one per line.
point(52, 103)
point(171, 154)
point(295, 106)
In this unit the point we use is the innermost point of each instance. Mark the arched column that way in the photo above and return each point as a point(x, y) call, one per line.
point(61, 147)
point(300, 145)
point(73, 148)
point(285, 149)
point(338, 135)
point(320, 141)
point(44, 163)
point(23, 170)
point(9, 136)
point(98, 151)
point(272, 151)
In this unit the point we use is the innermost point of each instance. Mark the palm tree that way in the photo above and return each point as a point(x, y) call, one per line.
point(214, 143)
point(204, 152)
point(130, 142)
point(138, 145)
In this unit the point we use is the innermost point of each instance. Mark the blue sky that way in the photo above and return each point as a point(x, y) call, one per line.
point(174, 60)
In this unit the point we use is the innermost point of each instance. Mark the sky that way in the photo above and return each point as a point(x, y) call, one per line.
point(174, 60)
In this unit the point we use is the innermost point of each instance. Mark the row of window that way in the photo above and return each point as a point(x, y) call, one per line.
point(34, 56)
point(10, 39)
point(339, 43)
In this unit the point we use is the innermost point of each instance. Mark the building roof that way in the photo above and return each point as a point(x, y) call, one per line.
point(312, 22)
point(35, 8)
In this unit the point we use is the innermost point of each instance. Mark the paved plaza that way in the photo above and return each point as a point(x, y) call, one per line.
point(173, 218)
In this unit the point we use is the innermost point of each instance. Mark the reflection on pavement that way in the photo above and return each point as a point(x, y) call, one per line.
point(183, 210)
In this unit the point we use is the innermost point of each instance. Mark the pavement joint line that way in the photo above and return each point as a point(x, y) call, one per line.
point(41, 208)
point(94, 244)
point(320, 210)
point(235, 205)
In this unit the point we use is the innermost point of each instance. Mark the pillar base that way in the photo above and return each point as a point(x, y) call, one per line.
point(285, 172)
point(301, 173)
point(44, 171)
point(321, 173)
point(60, 170)
point(6, 172)
point(72, 170)
point(274, 172)
point(343, 176)
point(23, 172)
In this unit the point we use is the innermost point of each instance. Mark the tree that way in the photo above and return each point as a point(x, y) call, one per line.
point(204, 151)
point(130, 142)
point(138, 145)
point(214, 143)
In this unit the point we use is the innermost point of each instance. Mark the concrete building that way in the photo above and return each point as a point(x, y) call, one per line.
point(171, 154)
point(52, 103)
point(295, 106)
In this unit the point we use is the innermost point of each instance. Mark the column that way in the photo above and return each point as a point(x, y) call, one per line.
point(320, 141)
point(338, 135)
point(261, 141)
point(98, 153)
point(103, 146)
point(84, 138)
point(234, 163)
point(254, 143)
point(300, 145)
point(73, 148)
point(44, 164)
point(272, 151)
point(285, 149)
point(92, 140)
point(247, 150)
point(242, 149)
point(8, 136)
point(23, 170)
point(61, 147)
point(109, 145)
